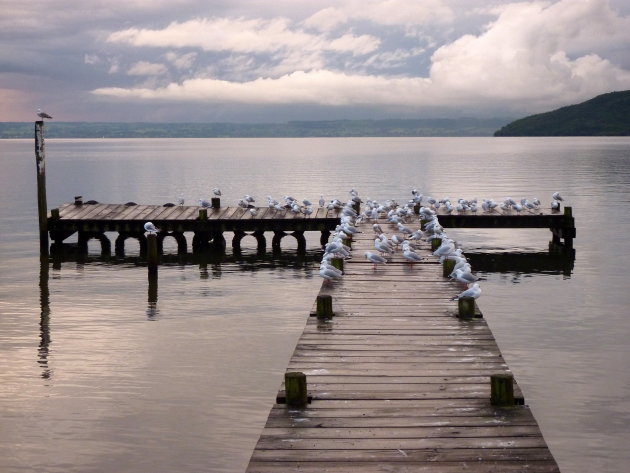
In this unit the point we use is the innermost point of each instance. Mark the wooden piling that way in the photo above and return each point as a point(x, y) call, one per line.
point(42, 205)
point(447, 267)
point(324, 306)
point(435, 243)
point(215, 202)
point(502, 390)
point(337, 263)
point(295, 389)
point(466, 307)
point(152, 253)
point(203, 214)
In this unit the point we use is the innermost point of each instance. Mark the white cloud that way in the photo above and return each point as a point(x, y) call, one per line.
point(357, 45)
point(143, 68)
point(252, 36)
point(91, 59)
point(316, 87)
point(181, 61)
point(326, 19)
point(522, 56)
point(218, 34)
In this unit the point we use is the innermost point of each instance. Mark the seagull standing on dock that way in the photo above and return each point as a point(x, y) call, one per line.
point(41, 114)
point(474, 291)
point(374, 258)
point(149, 227)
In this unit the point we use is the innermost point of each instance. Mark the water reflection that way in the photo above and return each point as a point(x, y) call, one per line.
point(152, 308)
point(44, 320)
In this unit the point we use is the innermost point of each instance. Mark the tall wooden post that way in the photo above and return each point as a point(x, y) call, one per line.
point(152, 253)
point(42, 205)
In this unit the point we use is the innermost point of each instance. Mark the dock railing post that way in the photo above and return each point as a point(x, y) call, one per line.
point(502, 390)
point(42, 205)
point(215, 202)
point(295, 389)
point(324, 306)
point(435, 243)
point(466, 307)
point(447, 267)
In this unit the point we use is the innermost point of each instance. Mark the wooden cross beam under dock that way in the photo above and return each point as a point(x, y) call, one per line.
point(397, 381)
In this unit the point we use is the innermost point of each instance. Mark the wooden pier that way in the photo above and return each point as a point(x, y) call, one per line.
point(397, 381)
point(93, 220)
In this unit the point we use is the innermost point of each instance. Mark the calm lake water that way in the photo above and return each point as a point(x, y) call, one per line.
point(94, 378)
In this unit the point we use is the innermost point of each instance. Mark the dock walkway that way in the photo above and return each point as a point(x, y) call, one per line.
point(398, 382)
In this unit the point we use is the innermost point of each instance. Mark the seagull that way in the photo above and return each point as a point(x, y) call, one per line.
point(557, 196)
point(328, 273)
point(41, 114)
point(149, 227)
point(322, 202)
point(180, 200)
point(374, 258)
point(464, 276)
point(411, 256)
point(216, 191)
point(474, 291)
point(204, 203)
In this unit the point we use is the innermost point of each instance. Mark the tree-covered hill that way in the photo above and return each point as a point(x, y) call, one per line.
point(604, 115)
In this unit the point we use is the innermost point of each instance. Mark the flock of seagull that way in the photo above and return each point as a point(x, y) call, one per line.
point(404, 237)
point(397, 217)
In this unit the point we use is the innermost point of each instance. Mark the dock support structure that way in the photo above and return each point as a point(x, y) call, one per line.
point(42, 205)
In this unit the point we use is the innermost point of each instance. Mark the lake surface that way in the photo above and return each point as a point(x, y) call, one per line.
point(95, 378)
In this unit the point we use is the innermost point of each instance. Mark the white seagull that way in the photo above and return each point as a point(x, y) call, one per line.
point(411, 256)
point(149, 227)
point(41, 114)
point(216, 191)
point(374, 258)
point(474, 291)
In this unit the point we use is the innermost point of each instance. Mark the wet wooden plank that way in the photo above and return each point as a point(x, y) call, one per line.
point(409, 466)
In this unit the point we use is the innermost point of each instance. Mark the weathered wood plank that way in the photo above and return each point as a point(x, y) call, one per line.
point(394, 455)
point(409, 466)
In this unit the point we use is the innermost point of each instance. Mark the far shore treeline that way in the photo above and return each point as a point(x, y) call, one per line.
point(324, 128)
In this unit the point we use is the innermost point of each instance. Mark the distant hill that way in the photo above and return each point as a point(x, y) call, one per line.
point(604, 115)
point(324, 128)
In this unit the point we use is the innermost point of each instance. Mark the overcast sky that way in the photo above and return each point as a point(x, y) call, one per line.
point(278, 60)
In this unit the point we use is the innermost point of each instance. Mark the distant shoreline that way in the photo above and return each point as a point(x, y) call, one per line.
point(444, 127)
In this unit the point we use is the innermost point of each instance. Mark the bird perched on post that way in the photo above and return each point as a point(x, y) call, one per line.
point(473, 291)
point(149, 227)
point(41, 114)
